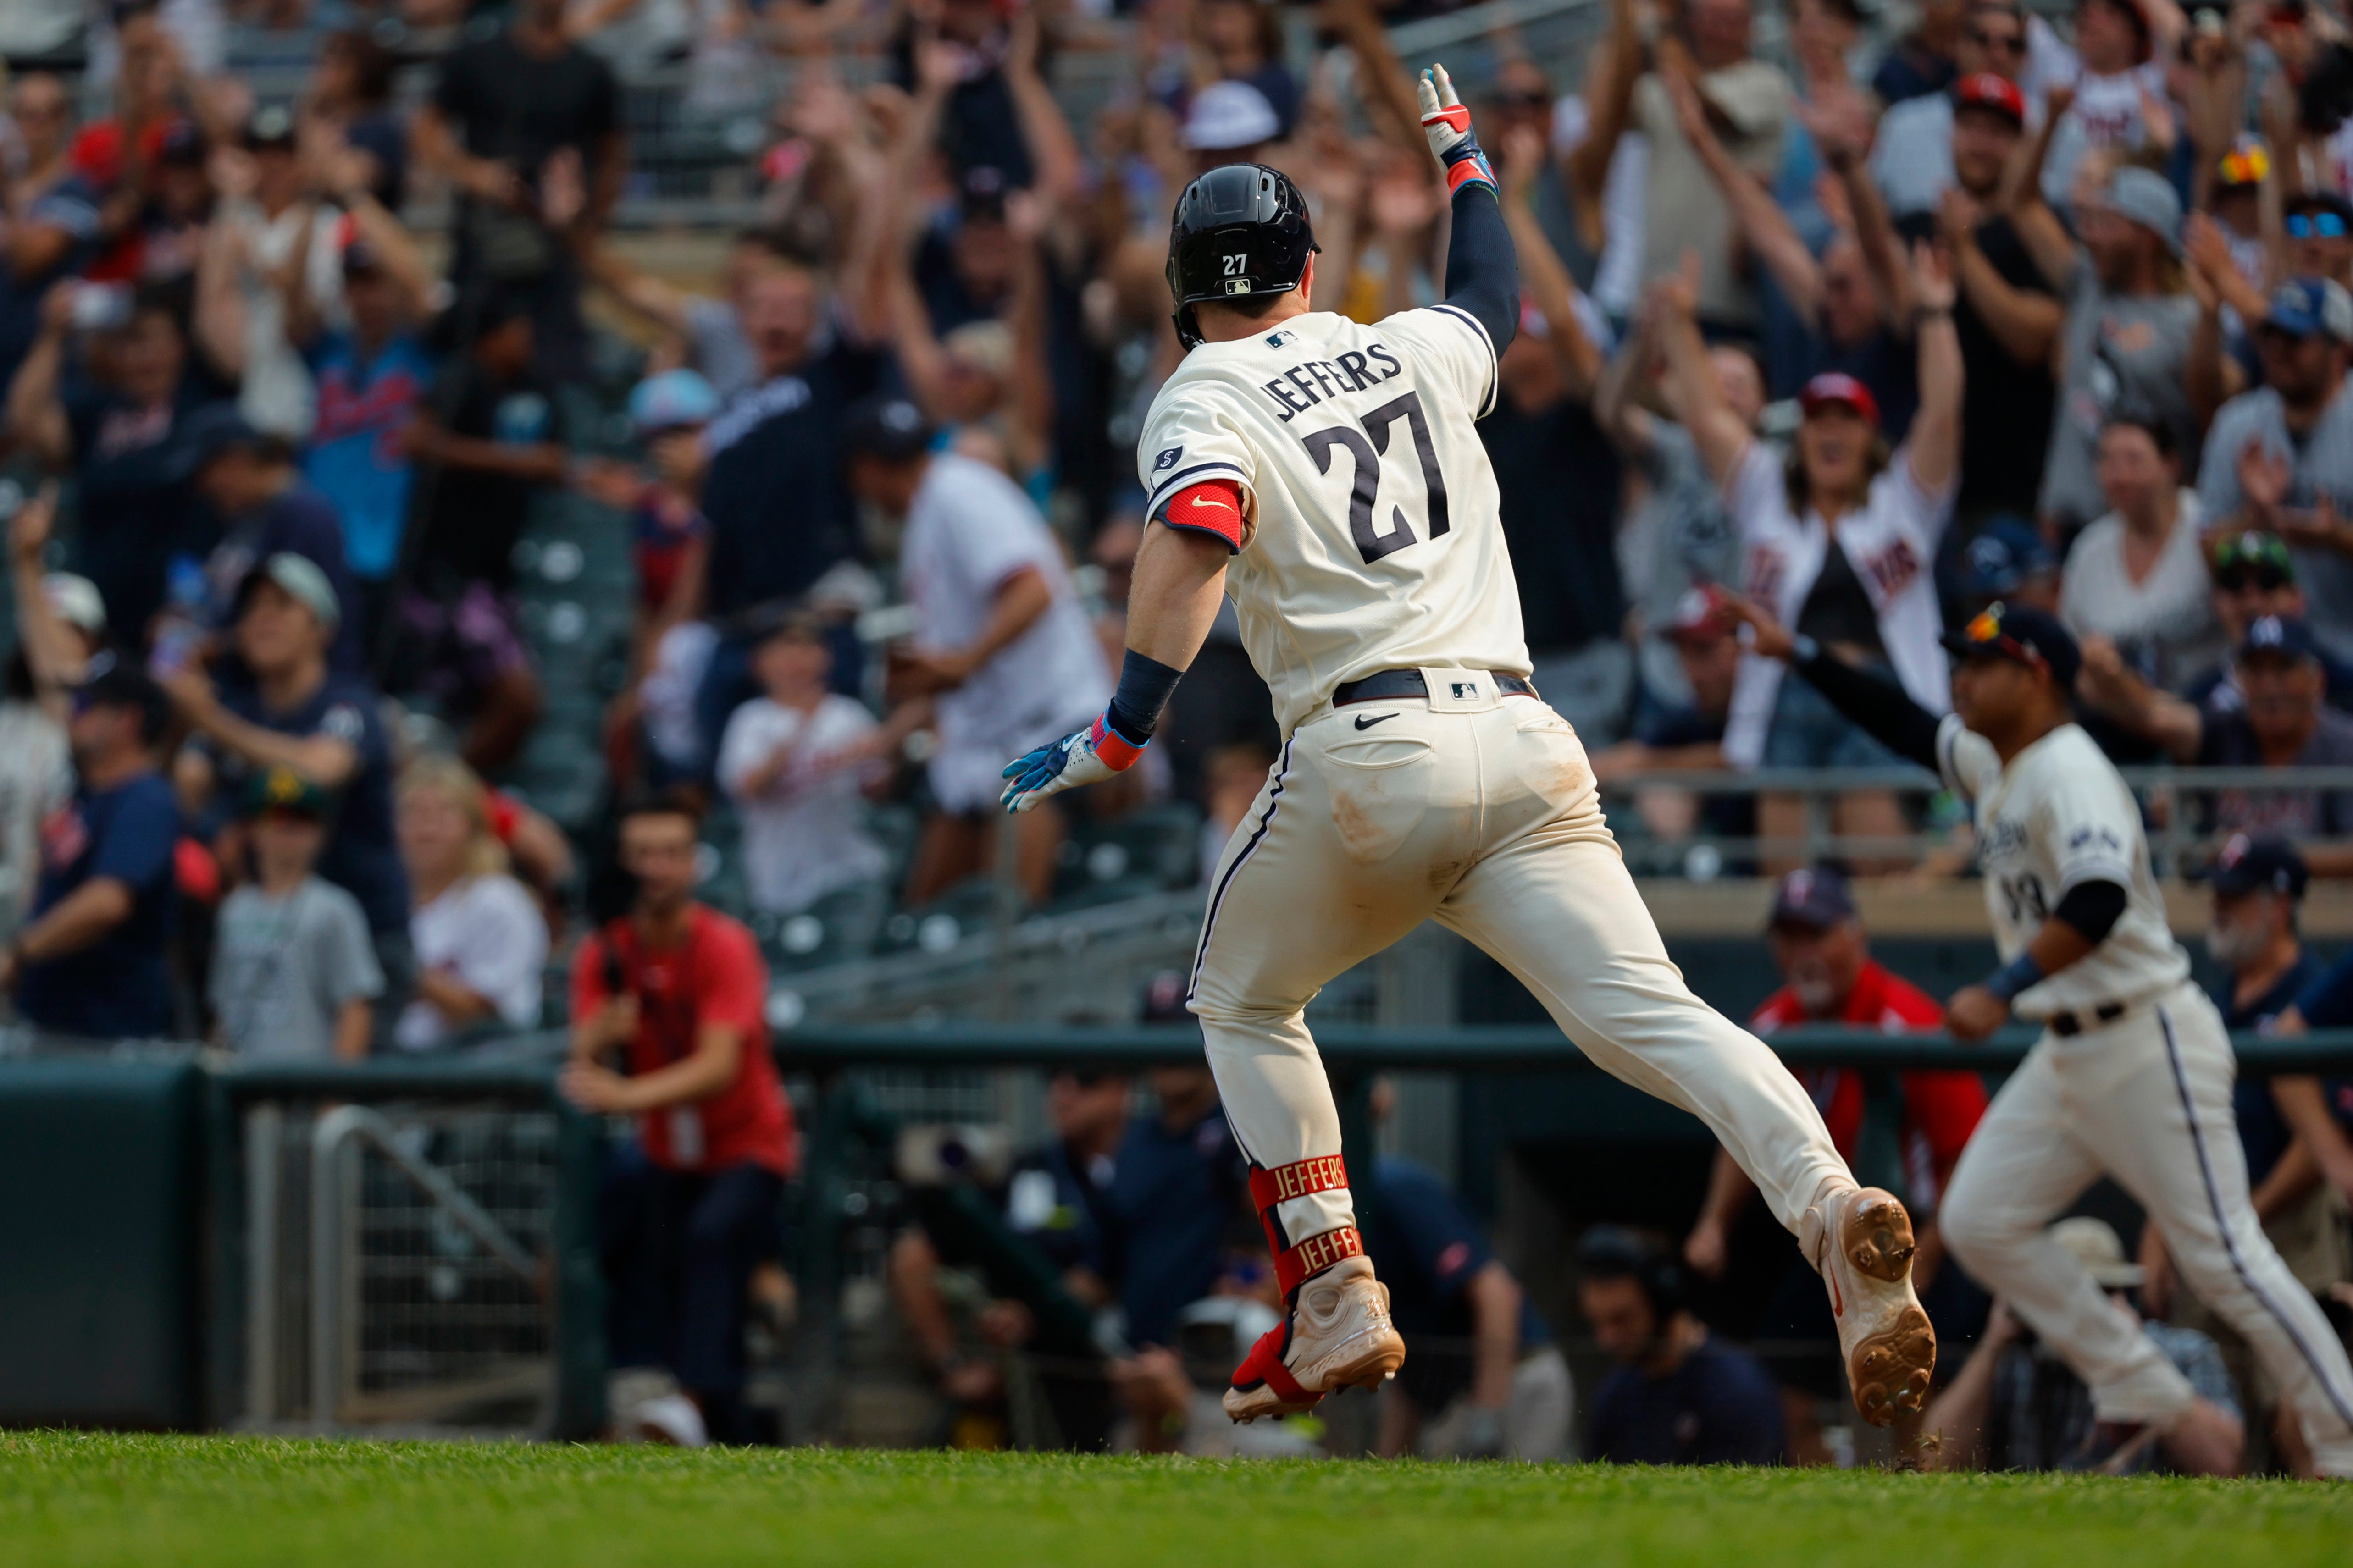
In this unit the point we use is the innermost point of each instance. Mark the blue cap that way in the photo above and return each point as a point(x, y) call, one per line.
point(2302, 307)
point(2247, 863)
point(2021, 632)
point(2285, 636)
point(2003, 556)
point(673, 398)
point(1816, 897)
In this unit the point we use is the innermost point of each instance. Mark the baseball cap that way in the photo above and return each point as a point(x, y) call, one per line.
point(1164, 999)
point(1815, 897)
point(891, 428)
point(1227, 116)
point(208, 433)
point(2284, 636)
point(2003, 556)
point(2096, 1247)
point(361, 257)
point(282, 789)
point(76, 601)
point(2246, 162)
point(2253, 552)
point(113, 682)
point(1988, 92)
point(2302, 307)
point(2147, 198)
point(2032, 637)
point(2247, 863)
point(182, 145)
point(302, 580)
point(673, 398)
point(1833, 386)
point(1703, 613)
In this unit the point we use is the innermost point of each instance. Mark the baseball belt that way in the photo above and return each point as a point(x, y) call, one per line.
point(1395, 683)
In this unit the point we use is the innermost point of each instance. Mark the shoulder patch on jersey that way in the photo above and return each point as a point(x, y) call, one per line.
point(1167, 459)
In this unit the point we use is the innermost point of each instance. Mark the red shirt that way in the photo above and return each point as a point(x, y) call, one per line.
point(1940, 1109)
point(714, 976)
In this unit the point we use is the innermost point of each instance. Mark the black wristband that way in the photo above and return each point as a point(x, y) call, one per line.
point(1143, 688)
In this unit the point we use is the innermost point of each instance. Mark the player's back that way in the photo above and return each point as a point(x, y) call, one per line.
point(1376, 542)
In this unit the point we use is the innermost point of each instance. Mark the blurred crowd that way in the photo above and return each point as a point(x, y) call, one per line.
point(304, 365)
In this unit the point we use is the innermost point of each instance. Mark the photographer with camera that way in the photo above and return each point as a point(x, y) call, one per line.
point(678, 990)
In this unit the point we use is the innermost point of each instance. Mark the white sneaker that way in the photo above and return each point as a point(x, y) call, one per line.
point(670, 1418)
point(1860, 1240)
point(1337, 1335)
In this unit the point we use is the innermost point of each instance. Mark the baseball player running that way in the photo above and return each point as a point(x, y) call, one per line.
point(1327, 475)
point(2132, 1076)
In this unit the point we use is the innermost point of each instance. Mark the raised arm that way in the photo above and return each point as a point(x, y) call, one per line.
point(36, 419)
point(1616, 405)
point(51, 651)
point(2025, 322)
point(1875, 231)
point(1936, 439)
point(1719, 434)
point(1052, 149)
point(1763, 223)
point(1610, 82)
point(2039, 230)
point(1026, 214)
point(1879, 708)
point(1483, 276)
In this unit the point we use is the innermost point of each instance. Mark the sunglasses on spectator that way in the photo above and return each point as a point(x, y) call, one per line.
point(2312, 225)
point(2238, 579)
point(2007, 43)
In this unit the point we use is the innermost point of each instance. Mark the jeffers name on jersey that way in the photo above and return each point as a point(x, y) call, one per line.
point(1353, 372)
point(1373, 537)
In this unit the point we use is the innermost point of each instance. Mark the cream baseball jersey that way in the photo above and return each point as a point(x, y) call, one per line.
point(1373, 541)
point(2058, 815)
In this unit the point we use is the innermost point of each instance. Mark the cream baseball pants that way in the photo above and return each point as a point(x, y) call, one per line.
point(1477, 811)
point(2145, 1099)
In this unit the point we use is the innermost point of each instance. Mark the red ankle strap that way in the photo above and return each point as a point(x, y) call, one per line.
point(1293, 1264)
point(1320, 1174)
point(1264, 1365)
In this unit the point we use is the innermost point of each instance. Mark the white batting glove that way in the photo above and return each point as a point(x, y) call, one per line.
point(1447, 123)
point(1090, 756)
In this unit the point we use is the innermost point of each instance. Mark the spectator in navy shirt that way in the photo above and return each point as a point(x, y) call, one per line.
point(1678, 1396)
point(136, 509)
point(1180, 1183)
point(775, 493)
point(90, 961)
point(250, 480)
point(292, 711)
point(1485, 1380)
point(1057, 1198)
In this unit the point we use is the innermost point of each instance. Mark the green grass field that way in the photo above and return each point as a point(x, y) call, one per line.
point(90, 1500)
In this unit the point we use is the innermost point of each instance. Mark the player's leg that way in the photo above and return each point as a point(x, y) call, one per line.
point(1330, 866)
point(1551, 900)
point(2022, 1168)
point(2171, 1140)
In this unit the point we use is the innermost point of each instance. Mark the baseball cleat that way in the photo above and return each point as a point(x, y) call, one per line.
point(1337, 1335)
point(1860, 1240)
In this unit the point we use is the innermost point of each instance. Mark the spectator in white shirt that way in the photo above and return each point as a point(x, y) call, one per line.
point(2137, 576)
point(1002, 650)
point(792, 761)
point(482, 942)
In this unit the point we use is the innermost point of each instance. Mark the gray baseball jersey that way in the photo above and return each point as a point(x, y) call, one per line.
point(2058, 815)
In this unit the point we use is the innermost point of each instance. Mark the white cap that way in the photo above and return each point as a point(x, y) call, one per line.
point(76, 601)
point(1226, 116)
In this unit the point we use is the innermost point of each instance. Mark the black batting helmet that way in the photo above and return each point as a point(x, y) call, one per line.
point(1241, 232)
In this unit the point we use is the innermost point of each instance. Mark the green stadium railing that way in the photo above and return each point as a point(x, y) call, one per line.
point(148, 1144)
